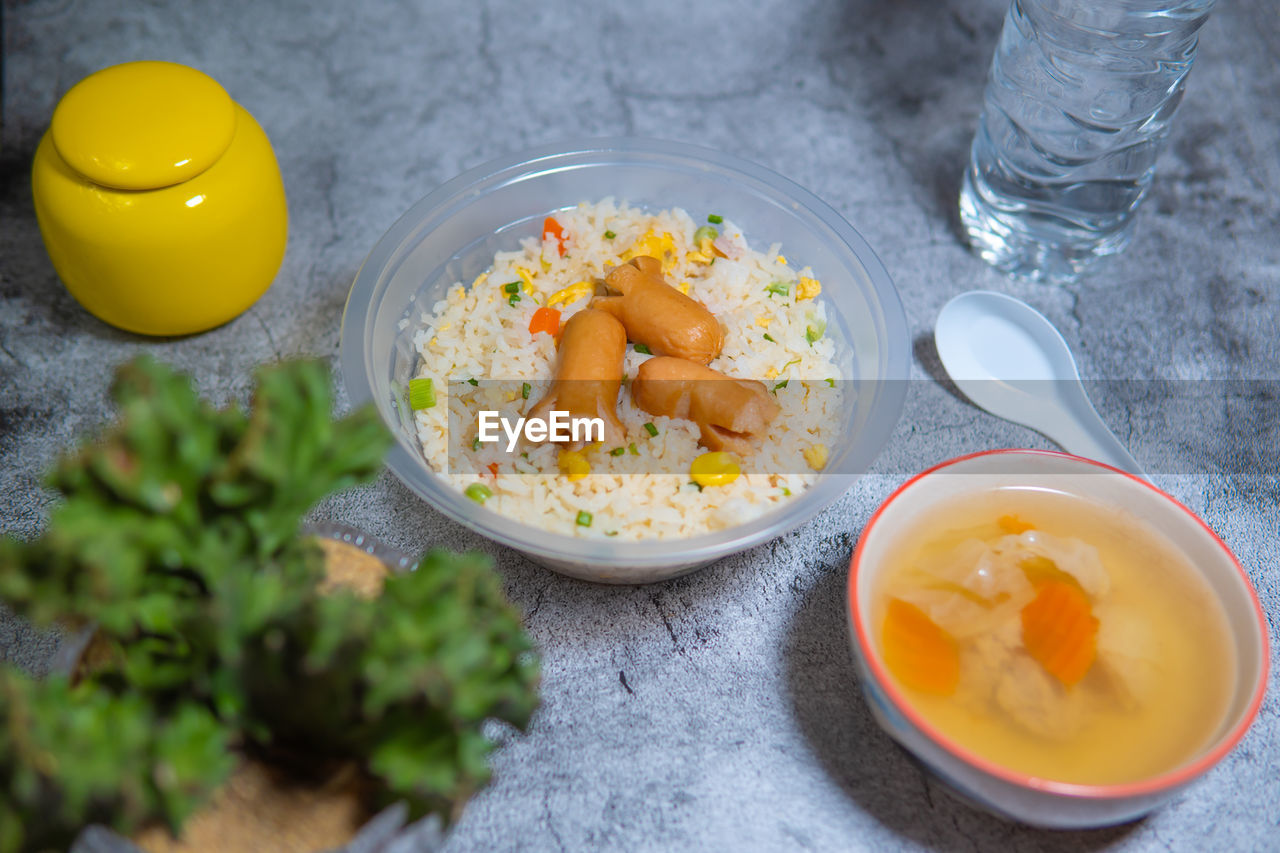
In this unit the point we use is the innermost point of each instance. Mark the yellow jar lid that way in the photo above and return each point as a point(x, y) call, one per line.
point(143, 125)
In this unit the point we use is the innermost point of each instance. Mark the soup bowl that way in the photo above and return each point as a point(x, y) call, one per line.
point(1030, 799)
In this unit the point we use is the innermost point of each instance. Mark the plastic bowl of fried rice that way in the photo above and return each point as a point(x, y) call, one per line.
point(806, 306)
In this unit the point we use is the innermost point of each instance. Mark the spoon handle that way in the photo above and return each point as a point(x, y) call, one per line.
point(1084, 433)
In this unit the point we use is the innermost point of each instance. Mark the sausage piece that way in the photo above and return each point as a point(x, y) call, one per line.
point(659, 316)
point(588, 372)
point(731, 414)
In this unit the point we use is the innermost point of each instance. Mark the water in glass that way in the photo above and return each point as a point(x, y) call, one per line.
point(1077, 104)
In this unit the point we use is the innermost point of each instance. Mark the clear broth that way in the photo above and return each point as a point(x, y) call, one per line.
point(1186, 653)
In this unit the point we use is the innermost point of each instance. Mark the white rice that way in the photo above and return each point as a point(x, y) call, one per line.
point(475, 333)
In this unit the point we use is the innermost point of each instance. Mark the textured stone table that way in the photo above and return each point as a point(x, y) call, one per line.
point(718, 711)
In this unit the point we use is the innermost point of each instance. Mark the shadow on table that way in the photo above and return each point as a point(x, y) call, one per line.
point(873, 770)
point(917, 68)
point(28, 271)
point(926, 354)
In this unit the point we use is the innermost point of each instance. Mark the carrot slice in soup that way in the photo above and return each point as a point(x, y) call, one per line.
point(919, 653)
point(1060, 631)
point(1013, 525)
point(1041, 570)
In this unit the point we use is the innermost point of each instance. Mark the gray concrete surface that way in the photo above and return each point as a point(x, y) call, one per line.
point(718, 711)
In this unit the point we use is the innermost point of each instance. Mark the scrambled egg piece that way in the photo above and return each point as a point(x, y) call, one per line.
point(808, 288)
point(661, 247)
point(572, 293)
point(526, 280)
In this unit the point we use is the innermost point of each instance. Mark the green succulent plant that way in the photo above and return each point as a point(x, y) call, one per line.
point(178, 539)
point(72, 755)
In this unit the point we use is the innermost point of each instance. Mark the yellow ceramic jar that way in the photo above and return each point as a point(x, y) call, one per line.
point(159, 199)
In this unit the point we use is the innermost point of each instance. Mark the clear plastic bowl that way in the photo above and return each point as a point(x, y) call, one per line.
point(452, 235)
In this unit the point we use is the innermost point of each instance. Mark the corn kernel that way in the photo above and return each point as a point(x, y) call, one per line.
point(714, 469)
point(763, 321)
point(807, 288)
point(573, 464)
point(816, 456)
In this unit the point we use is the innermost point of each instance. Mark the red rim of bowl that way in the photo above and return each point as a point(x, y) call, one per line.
point(1170, 779)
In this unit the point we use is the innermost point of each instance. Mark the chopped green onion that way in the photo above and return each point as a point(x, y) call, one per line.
point(525, 454)
point(706, 232)
point(525, 388)
point(422, 393)
point(478, 492)
point(831, 382)
point(609, 235)
point(473, 381)
point(791, 362)
point(782, 384)
point(584, 518)
point(779, 288)
point(643, 350)
point(475, 443)
point(513, 287)
point(786, 493)
point(715, 219)
point(513, 299)
point(617, 451)
point(695, 483)
point(650, 428)
point(769, 338)
point(631, 448)
point(815, 332)
point(611, 533)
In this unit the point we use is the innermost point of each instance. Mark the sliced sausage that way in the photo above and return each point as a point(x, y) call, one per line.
point(659, 316)
point(588, 372)
point(731, 414)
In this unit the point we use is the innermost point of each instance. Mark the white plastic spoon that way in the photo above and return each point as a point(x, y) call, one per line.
point(1008, 359)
